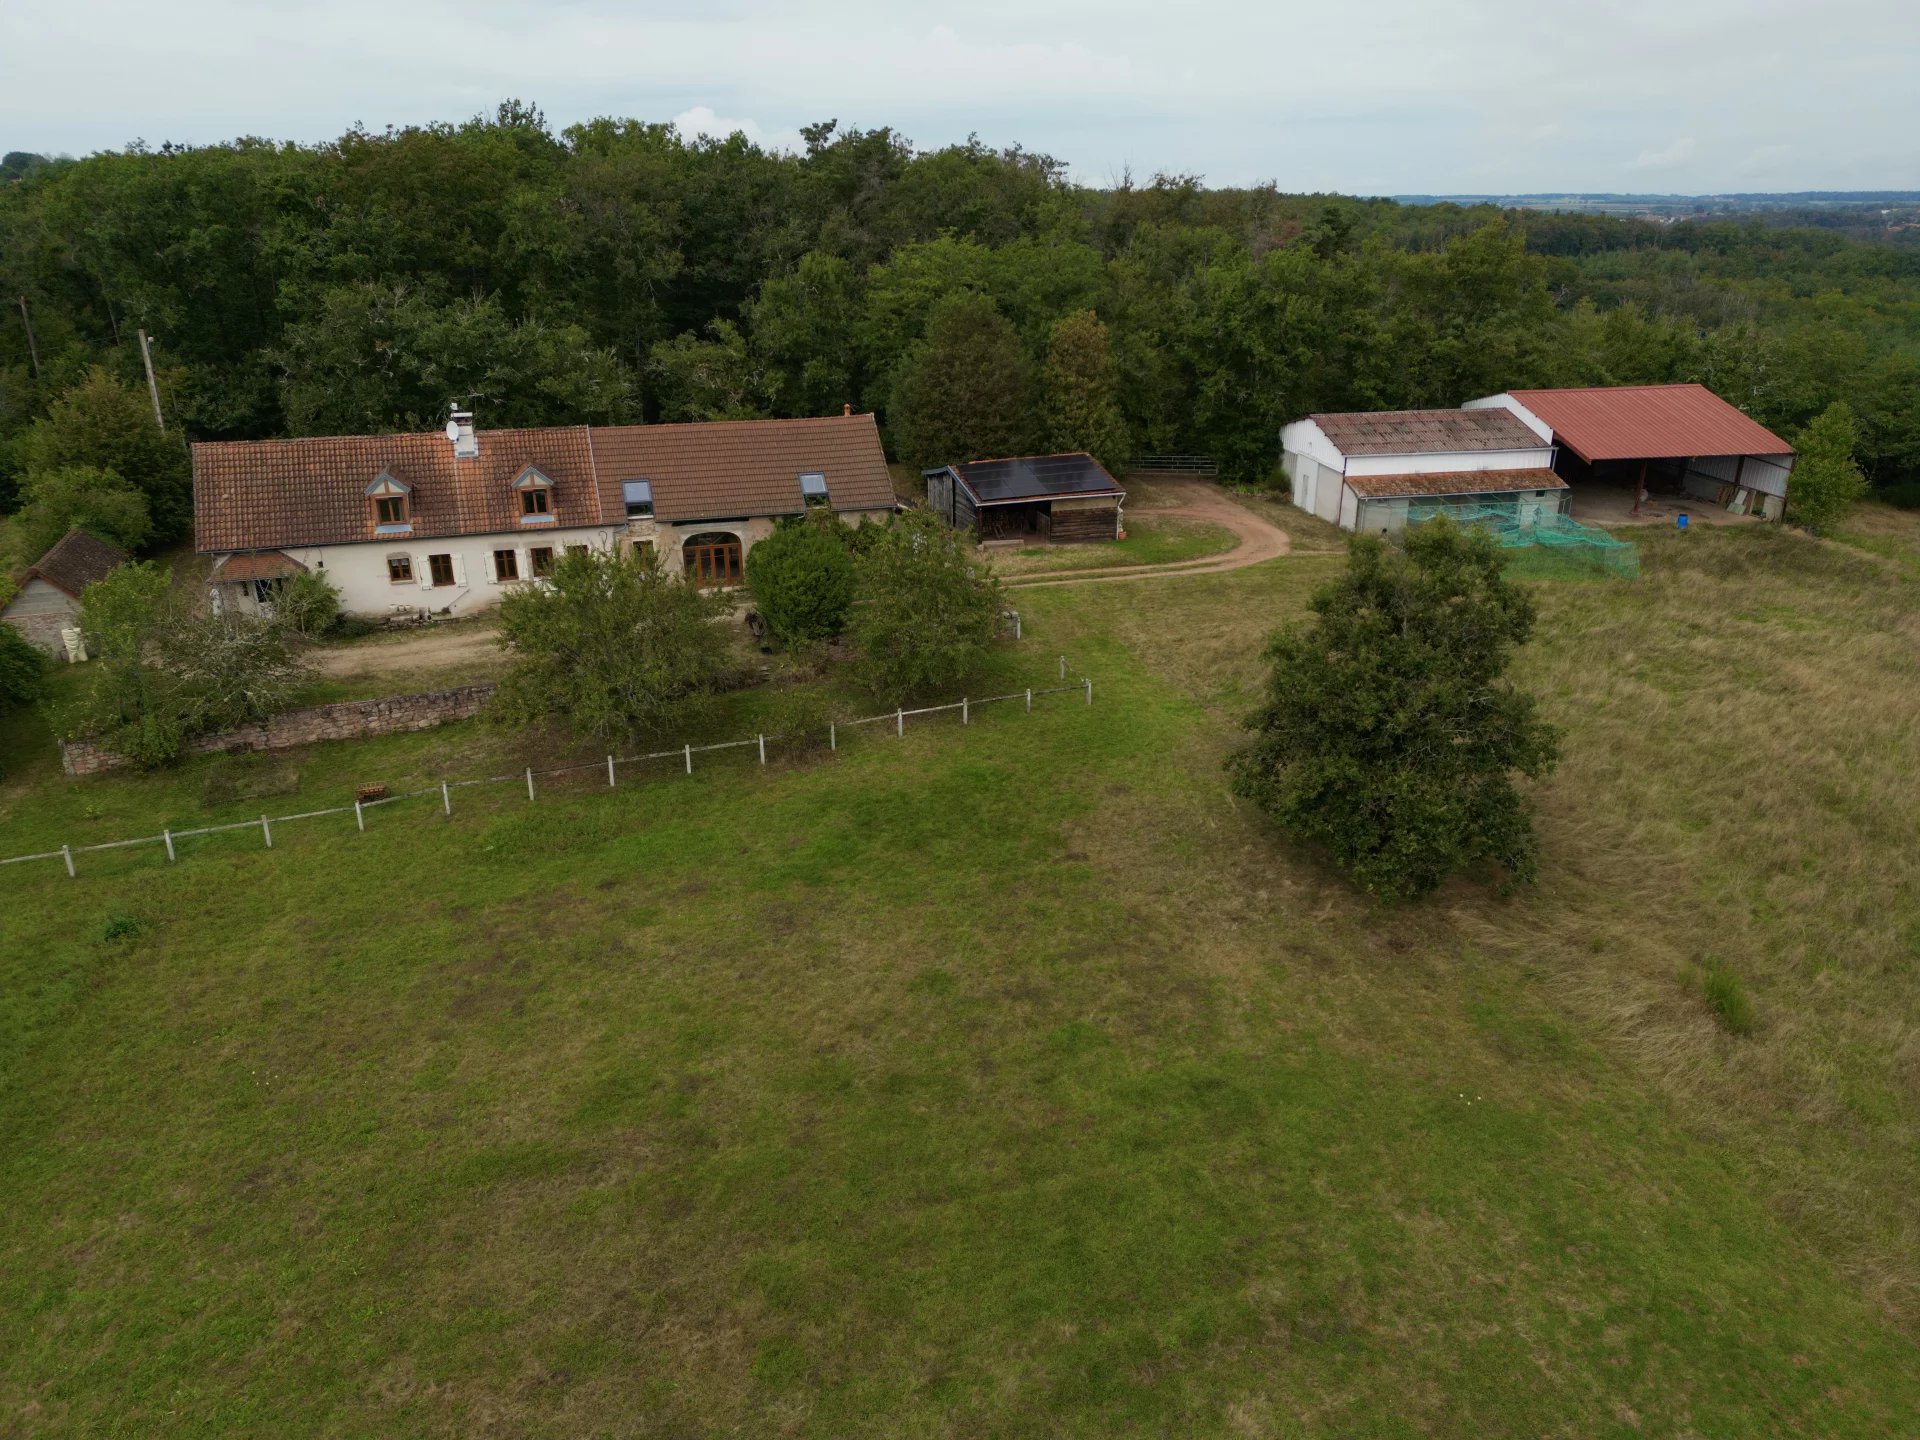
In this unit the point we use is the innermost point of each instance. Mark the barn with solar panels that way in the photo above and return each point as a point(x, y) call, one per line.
point(1648, 451)
point(1039, 499)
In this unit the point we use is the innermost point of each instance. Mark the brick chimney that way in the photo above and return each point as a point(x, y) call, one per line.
point(466, 441)
point(846, 409)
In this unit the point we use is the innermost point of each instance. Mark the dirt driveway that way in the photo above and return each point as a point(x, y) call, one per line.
point(441, 647)
point(1187, 499)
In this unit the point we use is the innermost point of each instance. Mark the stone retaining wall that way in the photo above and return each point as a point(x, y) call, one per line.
point(349, 720)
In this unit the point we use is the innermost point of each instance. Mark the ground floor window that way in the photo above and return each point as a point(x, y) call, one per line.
point(440, 567)
point(713, 559)
point(400, 569)
point(506, 566)
point(540, 561)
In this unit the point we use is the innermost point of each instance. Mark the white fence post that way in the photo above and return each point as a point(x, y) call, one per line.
point(833, 736)
point(763, 749)
point(1063, 667)
point(359, 816)
point(1089, 691)
point(689, 759)
point(529, 782)
point(963, 709)
point(266, 831)
point(167, 835)
point(446, 798)
point(900, 722)
point(609, 772)
point(1029, 700)
point(66, 854)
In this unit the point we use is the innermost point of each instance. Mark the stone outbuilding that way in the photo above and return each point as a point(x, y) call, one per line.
point(48, 601)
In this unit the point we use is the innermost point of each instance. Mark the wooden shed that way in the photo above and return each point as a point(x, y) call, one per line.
point(1058, 499)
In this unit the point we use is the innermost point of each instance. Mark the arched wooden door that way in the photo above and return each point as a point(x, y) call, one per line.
point(713, 558)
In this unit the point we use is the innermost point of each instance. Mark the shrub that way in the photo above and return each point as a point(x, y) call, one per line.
point(53, 502)
point(612, 645)
point(23, 668)
point(1389, 734)
point(308, 604)
point(801, 577)
point(926, 614)
point(1826, 483)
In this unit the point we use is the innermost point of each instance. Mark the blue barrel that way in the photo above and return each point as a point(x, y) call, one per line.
point(1681, 520)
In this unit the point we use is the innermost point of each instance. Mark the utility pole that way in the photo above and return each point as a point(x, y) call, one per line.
point(33, 346)
point(153, 389)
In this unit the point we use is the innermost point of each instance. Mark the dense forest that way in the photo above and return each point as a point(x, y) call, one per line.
point(975, 299)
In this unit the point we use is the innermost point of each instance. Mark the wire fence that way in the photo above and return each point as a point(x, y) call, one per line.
point(168, 839)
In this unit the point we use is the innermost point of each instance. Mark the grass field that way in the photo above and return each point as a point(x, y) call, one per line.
point(1151, 540)
point(1004, 1081)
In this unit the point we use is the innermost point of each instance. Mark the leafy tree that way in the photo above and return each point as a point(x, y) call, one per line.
point(611, 644)
point(711, 379)
point(164, 673)
point(803, 328)
point(1389, 734)
point(23, 667)
point(925, 613)
point(100, 424)
point(963, 394)
point(1080, 411)
point(56, 500)
point(802, 578)
point(1826, 482)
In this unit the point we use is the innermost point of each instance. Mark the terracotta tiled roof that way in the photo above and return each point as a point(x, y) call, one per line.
point(1649, 422)
point(728, 468)
point(265, 494)
point(257, 565)
point(75, 561)
point(268, 494)
point(1426, 432)
point(1454, 482)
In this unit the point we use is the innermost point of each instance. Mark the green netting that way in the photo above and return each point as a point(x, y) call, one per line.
point(1546, 545)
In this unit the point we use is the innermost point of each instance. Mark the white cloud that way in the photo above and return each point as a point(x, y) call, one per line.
point(1399, 95)
point(701, 120)
point(1666, 156)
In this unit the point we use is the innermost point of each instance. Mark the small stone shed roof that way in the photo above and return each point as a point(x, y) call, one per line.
point(75, 561)
point(1426, 432)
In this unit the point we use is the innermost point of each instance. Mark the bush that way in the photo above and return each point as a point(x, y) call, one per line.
point(121, 926)
point(308, 604)
point(612, 645)
point(23, 669)
point(926, 614)
point(801, 577)
point(1826, 483)
point(1389, 734)
point(53, 502)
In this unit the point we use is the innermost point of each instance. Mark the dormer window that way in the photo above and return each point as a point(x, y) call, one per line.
point(536, 497)
point(391, 500)
point(813, 489)
point(638, 495)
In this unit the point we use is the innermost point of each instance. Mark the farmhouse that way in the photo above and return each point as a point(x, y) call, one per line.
point(1367, 471)
point(1064, 499)
point(444, 522)
point(49, 598)
point(1618, 443)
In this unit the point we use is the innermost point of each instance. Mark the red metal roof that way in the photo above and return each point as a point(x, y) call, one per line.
point(1649, 422)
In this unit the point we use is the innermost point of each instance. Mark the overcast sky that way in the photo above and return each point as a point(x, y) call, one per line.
point(1389, 97)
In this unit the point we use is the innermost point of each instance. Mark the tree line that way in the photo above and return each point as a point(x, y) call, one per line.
point(976, 299)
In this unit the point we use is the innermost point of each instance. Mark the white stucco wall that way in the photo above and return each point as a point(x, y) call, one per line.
point(1305, 437)
point(1447, 462)
point(40, 611)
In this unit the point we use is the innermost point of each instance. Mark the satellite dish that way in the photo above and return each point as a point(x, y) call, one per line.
point(453, 429)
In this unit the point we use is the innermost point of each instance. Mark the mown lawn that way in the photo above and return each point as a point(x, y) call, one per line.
point(1007, 1080)
point(1151, 540)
